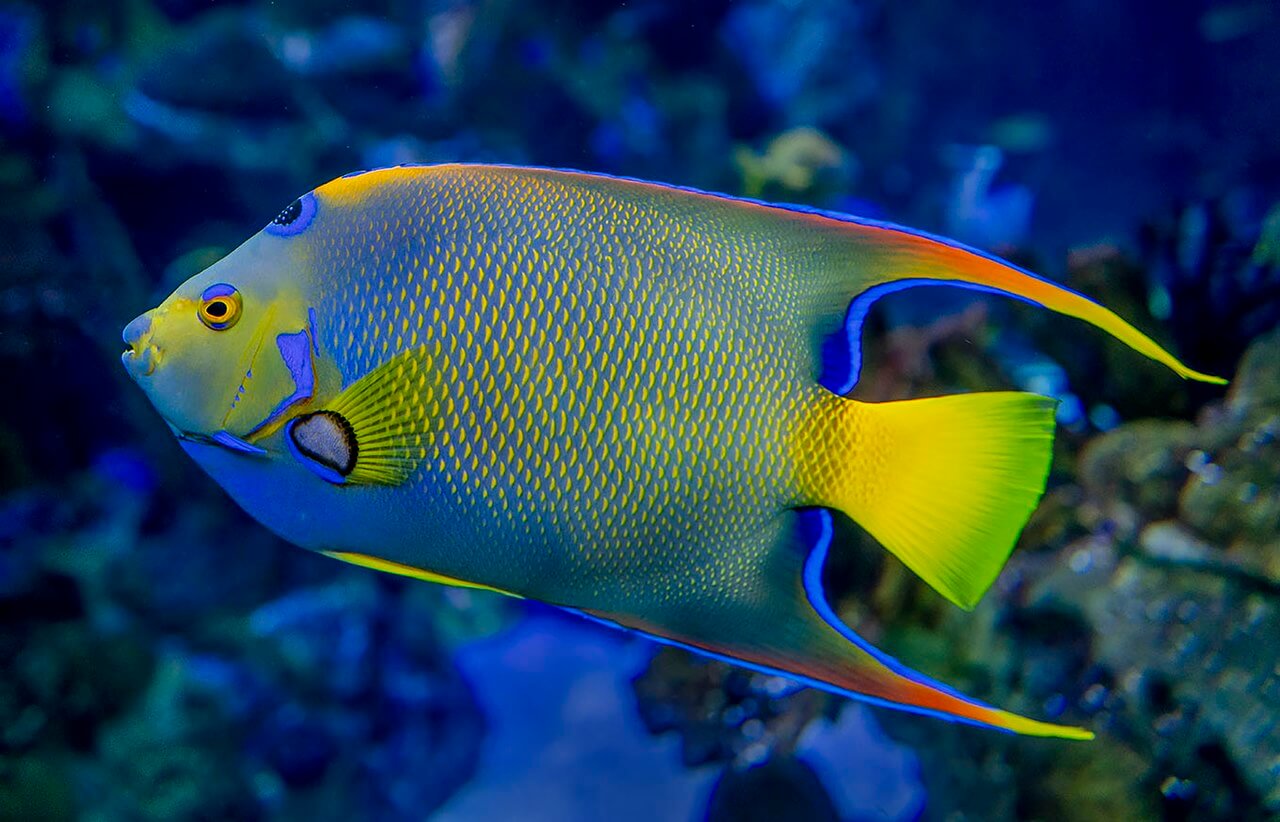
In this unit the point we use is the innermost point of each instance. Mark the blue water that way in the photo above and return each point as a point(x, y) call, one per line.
point(164, 657)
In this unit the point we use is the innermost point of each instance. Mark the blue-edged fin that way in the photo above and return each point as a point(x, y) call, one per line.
point(778, 621)
point(882, 257)
point(399, 569)
point(375, 432)
point(946, 484)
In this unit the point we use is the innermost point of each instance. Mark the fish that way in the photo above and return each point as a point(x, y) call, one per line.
point(626, 399)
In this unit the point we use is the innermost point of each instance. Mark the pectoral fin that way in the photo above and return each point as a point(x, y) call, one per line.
point(781, 623)
point(376, 431)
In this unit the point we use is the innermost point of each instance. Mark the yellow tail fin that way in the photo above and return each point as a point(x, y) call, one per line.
point(945, 484)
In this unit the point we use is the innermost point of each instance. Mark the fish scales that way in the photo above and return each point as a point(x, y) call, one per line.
point(633, 388)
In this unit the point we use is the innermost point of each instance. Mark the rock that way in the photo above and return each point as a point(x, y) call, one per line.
point(1136, 472)
point(1257, 380)
point(1171, 542)
point(1233, 496)
point(781, 788)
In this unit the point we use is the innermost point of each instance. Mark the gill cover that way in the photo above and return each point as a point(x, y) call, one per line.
point(280, 375)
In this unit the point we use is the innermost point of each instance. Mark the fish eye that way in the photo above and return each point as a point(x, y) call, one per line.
point(220, 306)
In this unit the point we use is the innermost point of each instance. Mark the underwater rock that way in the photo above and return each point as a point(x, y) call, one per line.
point(1257, 381)
point(1171, 542)
point(1207, 493)
point(1233, 496)
point(1187, 656)
point(1186, 626)
point(780, 788)
point(1135, 472)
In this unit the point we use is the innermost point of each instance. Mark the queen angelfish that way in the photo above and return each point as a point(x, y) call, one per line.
point(609, 395)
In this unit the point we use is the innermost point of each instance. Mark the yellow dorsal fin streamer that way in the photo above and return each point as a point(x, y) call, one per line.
point(892, 254)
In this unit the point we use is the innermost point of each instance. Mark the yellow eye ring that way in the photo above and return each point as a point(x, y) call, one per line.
point(220, 306)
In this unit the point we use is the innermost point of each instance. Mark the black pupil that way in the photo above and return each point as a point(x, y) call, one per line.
point(217, 308)
point(289, 214)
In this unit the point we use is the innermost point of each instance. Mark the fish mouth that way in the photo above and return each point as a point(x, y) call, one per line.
point(141, 363)
point(142, 356)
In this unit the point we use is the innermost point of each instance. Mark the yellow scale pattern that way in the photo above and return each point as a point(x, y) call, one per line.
point(588, 383)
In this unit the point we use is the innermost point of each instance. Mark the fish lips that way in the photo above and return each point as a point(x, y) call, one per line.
point(142, 356)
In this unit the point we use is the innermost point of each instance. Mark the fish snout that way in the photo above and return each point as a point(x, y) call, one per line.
point(142, 356)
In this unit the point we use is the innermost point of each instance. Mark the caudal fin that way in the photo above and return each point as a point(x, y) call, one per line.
point(945, 484)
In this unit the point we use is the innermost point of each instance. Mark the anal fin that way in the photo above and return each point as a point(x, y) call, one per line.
point(781, 623)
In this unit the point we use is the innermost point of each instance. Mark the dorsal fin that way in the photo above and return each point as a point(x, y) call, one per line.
point(871, 257)
point(883, 258)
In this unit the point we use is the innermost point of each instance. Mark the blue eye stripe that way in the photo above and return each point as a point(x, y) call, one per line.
point(218, 290)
